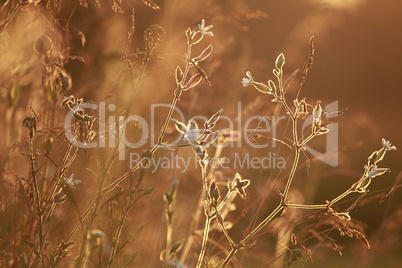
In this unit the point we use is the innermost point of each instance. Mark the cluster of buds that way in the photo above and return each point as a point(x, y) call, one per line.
point(153, 36)
point(301, 107)
point(270, 87)
point(237, 185)
point(371, 170)
point(84, 121)
point(67, 184)
point(169, 198)
point(214, 195)
point(194, 37)
point(318, 127)
point(198, 138)
point(57, 80)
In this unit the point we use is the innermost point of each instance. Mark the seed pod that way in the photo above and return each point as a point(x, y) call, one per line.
point(182, 128)
point(212, 121)
point(193, 81)
point(179, 75)
point(205, 54)
point(272, 86)
point(317, 112)
point(211, 137)
point(280, 61)
point(60, 197)
point(214, 194)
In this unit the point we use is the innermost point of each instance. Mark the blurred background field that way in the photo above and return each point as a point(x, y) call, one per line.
point(358, 62)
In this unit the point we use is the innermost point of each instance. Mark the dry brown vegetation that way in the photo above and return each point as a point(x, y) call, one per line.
point(172, 201)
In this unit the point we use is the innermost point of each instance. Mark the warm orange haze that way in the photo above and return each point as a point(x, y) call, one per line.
point(185, 133)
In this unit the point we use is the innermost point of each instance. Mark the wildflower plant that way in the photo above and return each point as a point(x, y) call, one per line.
point(318, 128)
point(211, 199)
point(102, 196)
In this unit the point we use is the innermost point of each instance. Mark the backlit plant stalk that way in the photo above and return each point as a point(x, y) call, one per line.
point(30, 123)
point(194, 223)
point(317, 128)
point(152, 37)
point(183, 84)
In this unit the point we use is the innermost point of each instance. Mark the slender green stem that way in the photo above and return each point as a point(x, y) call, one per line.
point(169, 235)
point(193, 227)
point(225, 200)
point(162, 133)
point(341, 196)
point(113, 185)
point(262, 224)
point(208, 217)
point(116, 239)
point(169, 219)
point(110, 187)
point(283, 204)
point(244, 241)
point(60, 174)
point(218, 215)
point(53, 193)
point(228, 258)
point(115, 250)
point(204, 241)
point(306, 140)
point(291, 175)
point(307, 206)
point(194, 222)
point(38, 206)
point(84, 253)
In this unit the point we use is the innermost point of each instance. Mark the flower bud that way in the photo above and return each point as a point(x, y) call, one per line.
point(205, 54)
point(193, 81)
point(280, 61)
point(178, 75)
point(212, 121)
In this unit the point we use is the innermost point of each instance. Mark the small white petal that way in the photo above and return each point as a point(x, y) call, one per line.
point(366, 168)
point(207, 28)
point(247, 81)
point(387, 145)
point(204, 30)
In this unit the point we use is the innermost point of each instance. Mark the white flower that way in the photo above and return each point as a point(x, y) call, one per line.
point(97, 237)
point(247, 81)
point(387, 145)
point(190, 131)
point(370, 171)
point(374, 171)
point(204, 29)
point(71, 182)
point(193, 132)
